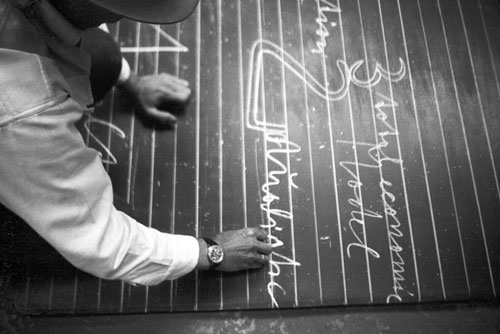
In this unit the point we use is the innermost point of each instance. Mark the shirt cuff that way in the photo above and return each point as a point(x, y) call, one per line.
point(185, 252)
point(104, 27)
point(124, 73)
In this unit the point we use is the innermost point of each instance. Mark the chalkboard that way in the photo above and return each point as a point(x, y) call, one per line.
point(363, 135)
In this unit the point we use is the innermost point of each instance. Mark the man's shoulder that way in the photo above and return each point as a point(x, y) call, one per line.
point(5, 8)
point(17, 32)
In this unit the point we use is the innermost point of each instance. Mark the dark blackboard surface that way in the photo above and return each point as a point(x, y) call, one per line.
point(364, 135)
point(457, 318)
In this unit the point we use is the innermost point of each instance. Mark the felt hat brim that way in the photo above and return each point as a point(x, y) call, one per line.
point(151, 11)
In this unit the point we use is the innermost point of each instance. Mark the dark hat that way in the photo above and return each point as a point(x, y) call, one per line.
point(151, 11)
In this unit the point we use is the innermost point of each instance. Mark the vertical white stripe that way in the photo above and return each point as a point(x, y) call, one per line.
point(424, 166)
point(242, 125)
point(481, 108)
point(353, 137)
point(407, 204)
point(99, 288)
point(266, 168)
point(110, 131)
point(339, 224)
point(375, 126)
point(75, 291)
point(488, 42)
point(122, 293)
point(197, 138)
point(51, 291)
point(132, 119)
point(174, 177)
point(404, 179)
point(471, 169)
point(112, 101)
point(438, 110)
point(152, 164)
point(122, 283)
point(376, 141)
point(311, 165)
point(131, 143)
point(290, 196)
point(221, 140)
point(487, 140)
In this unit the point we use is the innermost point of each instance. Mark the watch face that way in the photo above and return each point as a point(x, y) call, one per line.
point(215, 254)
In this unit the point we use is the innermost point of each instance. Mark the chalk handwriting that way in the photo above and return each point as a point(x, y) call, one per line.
point(397, 262)
point(175, 45)
point(388, 199)
point(322, 21)
point(378, 156)
point(347, 74)
point(378, 74)
point(110, 158)
point(359, 213)
point(274, 272)
point(279, 147)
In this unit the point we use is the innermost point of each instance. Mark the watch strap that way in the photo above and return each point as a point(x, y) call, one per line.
point(210, 242)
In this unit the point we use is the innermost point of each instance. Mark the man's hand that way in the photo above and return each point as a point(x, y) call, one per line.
point(159, 97)
point(243, 249)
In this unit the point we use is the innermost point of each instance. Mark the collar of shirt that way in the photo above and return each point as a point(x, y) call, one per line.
point(72, 62)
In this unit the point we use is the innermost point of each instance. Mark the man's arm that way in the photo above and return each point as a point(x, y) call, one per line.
point(61, 189)
point(59, 186)
point(158, 98)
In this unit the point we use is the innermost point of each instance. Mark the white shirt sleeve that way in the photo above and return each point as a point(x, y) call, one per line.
point(60, 187)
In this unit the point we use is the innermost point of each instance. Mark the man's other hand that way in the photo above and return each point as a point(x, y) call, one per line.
point(243, 249)
point(160, 98)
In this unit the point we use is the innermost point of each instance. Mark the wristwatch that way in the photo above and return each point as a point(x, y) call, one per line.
point(215, 253)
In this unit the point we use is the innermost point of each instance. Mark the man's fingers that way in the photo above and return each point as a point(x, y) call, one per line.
point(174, 79)
point(163, 117)
point(260, 233)
point(182, 82)
point(264, 248)
point(175, 94)
point(258, 261)
point(255, 265)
